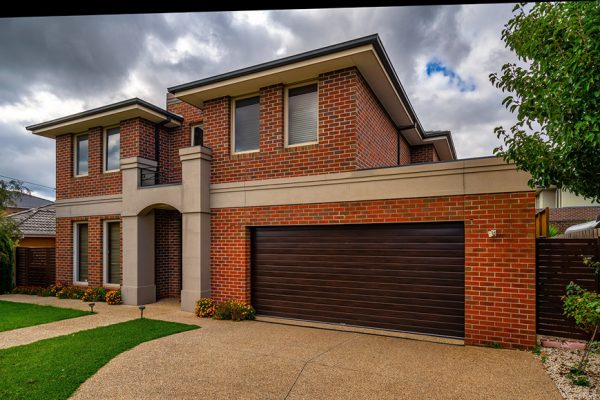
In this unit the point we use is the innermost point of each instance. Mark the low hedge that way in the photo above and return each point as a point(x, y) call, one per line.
point(227, 310)
point(72, 292)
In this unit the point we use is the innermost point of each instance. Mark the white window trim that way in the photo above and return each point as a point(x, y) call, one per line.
point(105, 282)
point(76, 252)
point(201, 124)
point(76, 155)
point(232, 144)
point(105, 149)
point(286, 112)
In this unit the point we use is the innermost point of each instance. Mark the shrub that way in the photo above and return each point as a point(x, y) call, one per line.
point(70, 292)
point(31, 290)
point(45, 292)
point(94, 294)
point(205, 307)
point(54, 289)
point(234, 310)
point(113, 297)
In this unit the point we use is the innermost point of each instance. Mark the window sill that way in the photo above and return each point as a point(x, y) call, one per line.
point(80, 176)
point(240, 153)
point(75, 283)
point(111, 171)
point(294, 146)
point(111, 285)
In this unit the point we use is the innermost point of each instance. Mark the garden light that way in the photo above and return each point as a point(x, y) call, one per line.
point(91, 306)
point(142, 308)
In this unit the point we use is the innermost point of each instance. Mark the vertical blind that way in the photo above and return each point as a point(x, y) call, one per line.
point(82, 252)
point(114, 253)
point(302, 114)
point(246, 124)
point(82, 155)
point(198, 136)
point(113, 145)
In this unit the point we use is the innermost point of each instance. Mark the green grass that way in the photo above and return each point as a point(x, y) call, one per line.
point(21, 315)
point(54, 368)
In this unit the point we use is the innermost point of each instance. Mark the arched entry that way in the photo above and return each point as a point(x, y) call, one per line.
point(167, 253)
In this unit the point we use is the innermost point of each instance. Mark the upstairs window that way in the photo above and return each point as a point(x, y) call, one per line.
point(302, 115)
point(245, 125)
point(112, 146)
point(81, 155)
point(198, 135)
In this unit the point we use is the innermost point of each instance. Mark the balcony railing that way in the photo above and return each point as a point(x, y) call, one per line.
point(151, 177)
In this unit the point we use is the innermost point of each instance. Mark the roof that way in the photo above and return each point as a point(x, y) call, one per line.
point(105, 116)
point(25, 200)
point(365, 53)
point(39, 221)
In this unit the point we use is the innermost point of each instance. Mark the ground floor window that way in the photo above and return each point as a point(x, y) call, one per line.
point(81, 253)
point(112, 252)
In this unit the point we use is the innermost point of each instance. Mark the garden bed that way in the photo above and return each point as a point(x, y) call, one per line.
point(558, 362)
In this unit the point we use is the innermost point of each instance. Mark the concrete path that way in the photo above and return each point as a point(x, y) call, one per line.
point(106, 315)
point(259, 360)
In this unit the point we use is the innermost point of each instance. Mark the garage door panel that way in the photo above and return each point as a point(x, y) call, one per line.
point(372, 321)
point(376, 271)
point(426, 306)
point(407, 277)
point(345, 285)
point(455, 300)
point(364, 259)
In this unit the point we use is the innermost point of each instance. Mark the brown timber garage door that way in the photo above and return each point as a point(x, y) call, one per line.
point(406, 277)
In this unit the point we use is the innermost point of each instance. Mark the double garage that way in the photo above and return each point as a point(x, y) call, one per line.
point(404, 277)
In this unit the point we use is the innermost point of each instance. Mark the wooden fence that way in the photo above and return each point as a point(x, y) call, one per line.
point(559, 261)
point(35, 266)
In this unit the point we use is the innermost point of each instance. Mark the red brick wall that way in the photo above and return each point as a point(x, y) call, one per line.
point(500, 272)
point(377, 135)
point(404, 151)
point(167, 249)
point(96, 183)
point(335, 152)
point(563, 218)
point(65, 244)
point(423, 153)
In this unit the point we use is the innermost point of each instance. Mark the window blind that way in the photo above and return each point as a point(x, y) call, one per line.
point(246, 124)
point(114, 252)
point(302, 114)
point(82, 252)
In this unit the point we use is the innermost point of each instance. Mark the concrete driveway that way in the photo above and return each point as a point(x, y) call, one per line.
point(259, 360)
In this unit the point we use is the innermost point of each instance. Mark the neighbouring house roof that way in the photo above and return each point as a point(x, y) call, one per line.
point(39, 221)
point(106, 116)
point(366, 53)
point(28, 201)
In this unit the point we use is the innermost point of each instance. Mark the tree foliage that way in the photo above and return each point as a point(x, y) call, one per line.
point(554, 90)
point(10, 191)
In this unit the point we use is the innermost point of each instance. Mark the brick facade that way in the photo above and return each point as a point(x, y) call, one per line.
point(167, 250)
point(65, 245)
point(377, 135)
point(499, 272)
point(565, 217)
point(423, 153)
point(96, 183)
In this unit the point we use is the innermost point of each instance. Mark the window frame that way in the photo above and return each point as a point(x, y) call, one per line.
point(232, 143)
point(192, 127)
point(105, 246)
point(76, 280)
point(76, 154)
point(286, 102)
point(105, 149)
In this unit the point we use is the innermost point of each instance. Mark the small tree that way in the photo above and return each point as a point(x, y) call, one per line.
point(584, 307)
point(10, 191)
point(555, 93)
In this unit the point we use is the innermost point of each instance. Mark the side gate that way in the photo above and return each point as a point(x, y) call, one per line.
point(558, 262)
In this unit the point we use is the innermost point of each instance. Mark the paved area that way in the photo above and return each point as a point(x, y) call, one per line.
point(259, 360)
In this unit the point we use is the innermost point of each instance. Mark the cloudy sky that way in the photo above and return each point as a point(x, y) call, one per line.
point(55, 66)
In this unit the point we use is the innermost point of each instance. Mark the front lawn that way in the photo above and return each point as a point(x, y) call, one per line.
point(54, 368)
point(20, 315)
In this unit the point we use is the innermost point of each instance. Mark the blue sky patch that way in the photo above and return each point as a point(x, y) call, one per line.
point(437, 67)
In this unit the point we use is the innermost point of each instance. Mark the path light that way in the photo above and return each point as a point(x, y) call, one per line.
point(91, 306)
point(142, 308)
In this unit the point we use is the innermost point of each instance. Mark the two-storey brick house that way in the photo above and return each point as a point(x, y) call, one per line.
point(305, 185)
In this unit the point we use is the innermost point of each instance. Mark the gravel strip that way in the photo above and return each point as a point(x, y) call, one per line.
point(557, 365)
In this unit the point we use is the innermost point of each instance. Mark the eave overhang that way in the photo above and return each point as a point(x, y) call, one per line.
point(108, 115)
